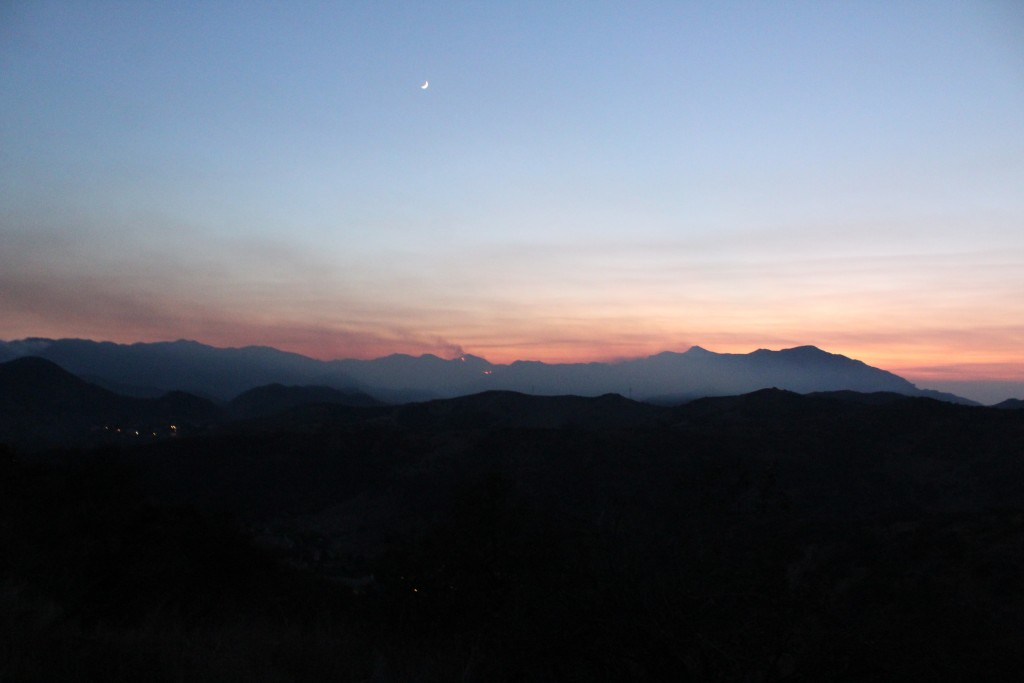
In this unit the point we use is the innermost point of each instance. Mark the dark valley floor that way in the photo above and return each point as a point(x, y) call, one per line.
point(504, 537)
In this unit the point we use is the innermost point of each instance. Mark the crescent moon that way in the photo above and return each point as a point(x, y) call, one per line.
point(426, 84)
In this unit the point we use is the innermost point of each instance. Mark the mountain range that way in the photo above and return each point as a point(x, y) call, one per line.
point(42, 405)
point(310, 532)
point(220, 374)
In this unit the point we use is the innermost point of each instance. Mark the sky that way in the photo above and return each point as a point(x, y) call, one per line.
point(580, 181)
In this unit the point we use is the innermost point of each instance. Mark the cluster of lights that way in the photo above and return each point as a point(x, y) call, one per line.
point(173, 429)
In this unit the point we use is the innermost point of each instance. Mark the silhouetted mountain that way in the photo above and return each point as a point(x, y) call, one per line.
point(856, 438)
point(667, 378)
point(765, 536)
point(508, 409)
point(7, 353)
point(41, 404)
point(1011, 404)
point(877, 398)
point(182, 365)
point(276, 398)
point(30, 382)
point(803, 369)
point(403, 378)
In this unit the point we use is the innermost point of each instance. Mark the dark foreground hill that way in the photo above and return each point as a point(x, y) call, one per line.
point(1011, 404)
point(43, 405)
point(503, 537)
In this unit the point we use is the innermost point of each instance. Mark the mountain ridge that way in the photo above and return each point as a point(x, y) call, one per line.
point(774, 521)
point(666, 377)
point(42, 404)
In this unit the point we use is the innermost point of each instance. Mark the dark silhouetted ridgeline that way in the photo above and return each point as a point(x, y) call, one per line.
point(42, 405)
point(1011, 404)
point(277, 398)
point(837, 536)
point(146, 370)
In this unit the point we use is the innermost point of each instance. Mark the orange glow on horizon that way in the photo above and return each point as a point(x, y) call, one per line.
point(983, 355)
point(916, 364)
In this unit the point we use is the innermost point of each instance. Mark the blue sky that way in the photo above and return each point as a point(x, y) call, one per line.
point(580, 181)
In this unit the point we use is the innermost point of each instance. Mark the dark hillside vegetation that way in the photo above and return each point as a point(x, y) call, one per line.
point(504, 537)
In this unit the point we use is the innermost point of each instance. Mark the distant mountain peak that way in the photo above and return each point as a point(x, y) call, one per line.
point(806, 351)
point(1011, 404)
point(225, 372)
point(34, 369)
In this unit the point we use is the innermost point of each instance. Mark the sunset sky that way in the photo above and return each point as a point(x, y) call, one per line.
point(580, 181)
